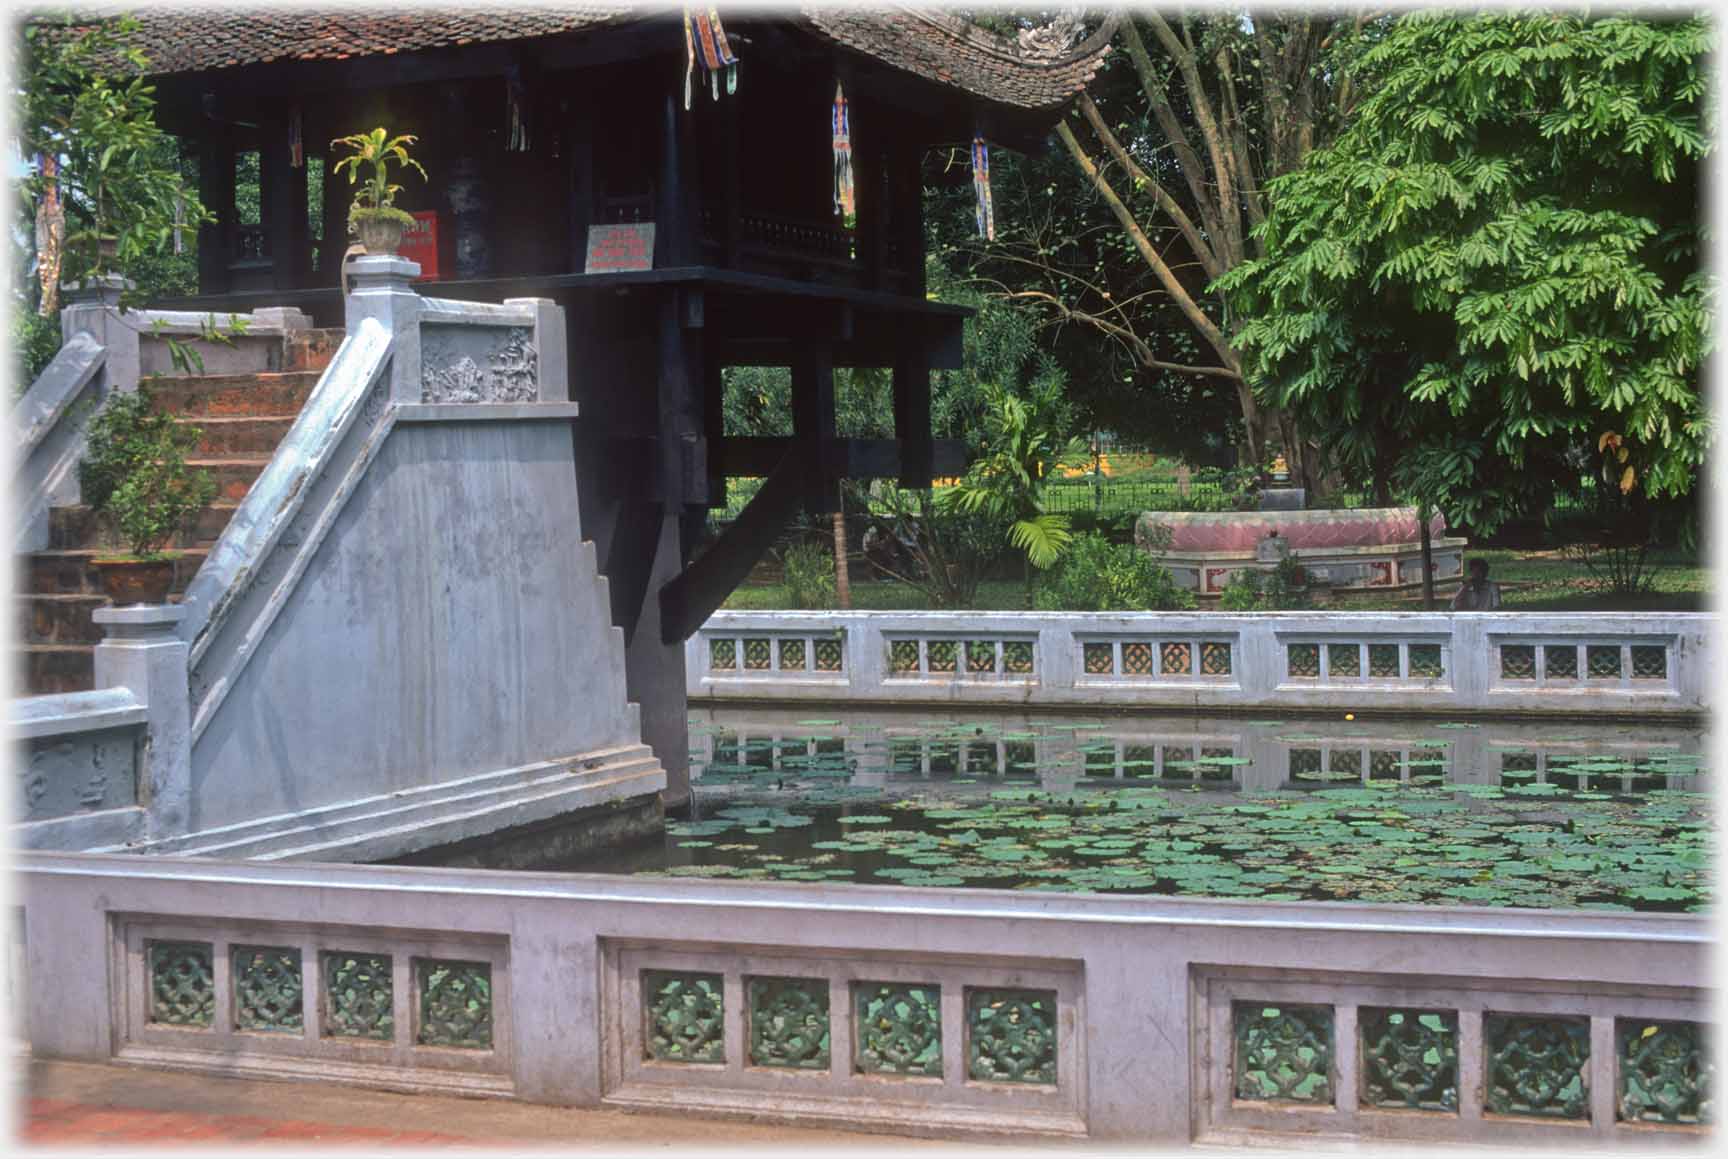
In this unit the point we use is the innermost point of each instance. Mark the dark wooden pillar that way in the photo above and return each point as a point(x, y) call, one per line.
point(677, 229)
point(338, 195)
point(870, 179)
point(216, 191)
point(578, 119)
point(731, 198)
point(906, 185)
point(284, 207)
point(813, 423)
point(912, 412)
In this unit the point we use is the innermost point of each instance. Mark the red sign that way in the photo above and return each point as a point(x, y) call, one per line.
point(420, 244)
point(620, 247)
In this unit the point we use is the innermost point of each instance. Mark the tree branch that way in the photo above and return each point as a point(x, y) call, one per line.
point(1193, 169)
point(1142, 352)
point(1229, 211)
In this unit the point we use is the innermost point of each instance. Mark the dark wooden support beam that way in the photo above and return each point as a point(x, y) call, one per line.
point(754, 457)
point(813, 422)
point(683, 468)
point(906, 187)
point(688, 600)
point(284, 197)
point(578, 119)
point(912, 417)
point(730, 205)
point(677, 227)
point(868, 173)
point(714, 428)
point(216, 191)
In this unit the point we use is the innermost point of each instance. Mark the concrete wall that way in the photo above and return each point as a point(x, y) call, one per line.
point(1406, 662)
point(567, 982)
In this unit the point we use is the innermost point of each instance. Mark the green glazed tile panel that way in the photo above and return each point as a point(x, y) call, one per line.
point(828, 655)
point(182, 983)
point(898, 1029)
point(1409, 1059)
point(1344, 659)
point(1537, 1065)
point(902, 655)
point(941, 654)
point(1383, 660)
point(268, 991)
point(789, 1022)
point(756, 654)
point(685, 1016)
point(1649, 662)
point(1011, 1035)
point(1425, 661)
point(1215, 658)
point(1560, 661)
point(1176, 658)
point(1303, 661)
point(1666, 1072)
point(1517, 661)
point(1017, 657)
point(1283, 1053)
point(359, 996)
point(791, 655)
point(722, 655)
point(1603, 661)
point(981, 656)
point(1098, 660)
point(455, 1003)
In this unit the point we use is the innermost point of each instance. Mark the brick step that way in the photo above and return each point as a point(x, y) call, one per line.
point(59, 668)
point(72, 573)
point(236, 395)
point(311, 349)
point(234, 474)
point(78, 528)
point(59, 619)
point(240, 436)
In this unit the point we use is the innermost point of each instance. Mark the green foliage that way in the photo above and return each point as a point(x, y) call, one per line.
point(1025, 448)
point(86, 102)
point(135, 469)
point(942, 552)
point(1497, 263)
point(809, 574)
point(1284, 588)
point(380, 151)
point(35, 342)
point(1099, 576)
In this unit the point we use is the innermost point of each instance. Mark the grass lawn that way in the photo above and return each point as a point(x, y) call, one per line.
point(1533, 581)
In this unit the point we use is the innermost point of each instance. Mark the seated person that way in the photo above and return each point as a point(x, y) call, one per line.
point(1478, 593)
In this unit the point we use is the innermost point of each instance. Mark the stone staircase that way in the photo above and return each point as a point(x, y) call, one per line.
point(243, 417)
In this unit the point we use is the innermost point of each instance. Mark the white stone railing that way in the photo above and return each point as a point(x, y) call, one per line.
point(1436, 662)
point(952, 1012)
point(78, 768)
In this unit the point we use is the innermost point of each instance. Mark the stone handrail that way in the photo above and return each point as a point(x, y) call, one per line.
point(79, 767)
point(48, 431)
point(1646, 664)
point(963, 1011)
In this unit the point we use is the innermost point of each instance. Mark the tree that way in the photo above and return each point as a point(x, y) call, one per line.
point(1492, 275)
point(1026, 445)
point(1171, 147)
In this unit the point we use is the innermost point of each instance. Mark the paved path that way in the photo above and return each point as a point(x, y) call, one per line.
point(83, 1105)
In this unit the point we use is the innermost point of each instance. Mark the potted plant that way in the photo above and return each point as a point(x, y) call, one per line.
point(373, 216)
point(135, 471)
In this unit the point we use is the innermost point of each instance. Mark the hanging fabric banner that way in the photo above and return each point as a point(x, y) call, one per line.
point(515, 111)
point(845, 196)
point(296, 149)
point(705, 42)
point(981, 186)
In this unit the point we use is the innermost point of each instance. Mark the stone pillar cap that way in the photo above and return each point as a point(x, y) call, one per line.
point(139, 620)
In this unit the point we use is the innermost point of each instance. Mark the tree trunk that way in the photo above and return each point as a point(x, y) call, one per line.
point(842, 575)
point(1427, 559)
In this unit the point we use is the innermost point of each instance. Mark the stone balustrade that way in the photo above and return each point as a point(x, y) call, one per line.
point(1652, 664)
point(937, 1011)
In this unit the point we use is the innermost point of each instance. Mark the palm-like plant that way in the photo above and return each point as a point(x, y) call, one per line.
point(1025, 448)
point(379, 150)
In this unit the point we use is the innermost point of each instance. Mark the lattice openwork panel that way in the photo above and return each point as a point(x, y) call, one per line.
point(1537, 1065)
point(455, 1003)
point(1099, 659)
point(1385, 764)
point(1217, 763)
point(268, 991)
point(1409, 1059)
point(1344, 659)
point(898, 1028)
point(1011, 1035)
point(1136, 658)
point(1017, 657)
point(756, 654)
point(1517, 762)
point(1425, 661)
point(981, 656)
point(182, 983)
point(1347, 761)
point(1140, 760)
point(792, 654)
point(1215, 659)
point(902, 656)
point(1302, 661)
point(1178, 761)
point(1383, 661)
point(942, 654)
point(1560, 661)
point(685, 1016)
point(1517, 661)
point(1666, 1072)
point(1283, 1053)
point(789, 1022)
point(1649, 662)
point(827, 653)
point(1602, 661)
point(722, 655)
point(1304, 761)
point(359, 996)
point(1176, 658)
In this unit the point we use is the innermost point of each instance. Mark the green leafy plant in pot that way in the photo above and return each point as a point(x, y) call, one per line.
point(135, 471)
point(373, 217)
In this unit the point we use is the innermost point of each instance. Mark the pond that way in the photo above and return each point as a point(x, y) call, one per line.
point(1507, 813)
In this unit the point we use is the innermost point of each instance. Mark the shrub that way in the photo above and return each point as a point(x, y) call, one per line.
point(809, 575)
point(35, 342)
point(1096, 575)
point(134, 469)
point(1282, 589)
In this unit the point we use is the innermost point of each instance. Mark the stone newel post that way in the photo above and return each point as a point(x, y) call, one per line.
point(141, 651)
point(384, 292)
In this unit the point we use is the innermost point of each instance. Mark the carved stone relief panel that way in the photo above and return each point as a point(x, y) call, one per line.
point(475, 364)
point(79, 774)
